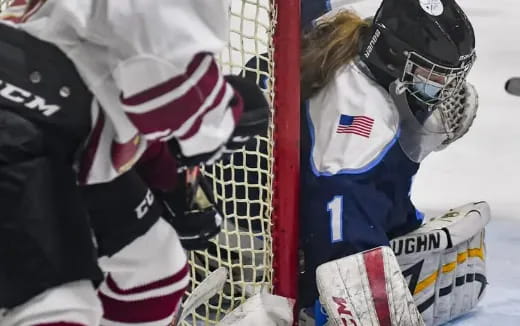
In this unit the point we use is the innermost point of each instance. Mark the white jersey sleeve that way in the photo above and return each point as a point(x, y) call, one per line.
point(170, 83)
point(159, 56)
point(151, 67)
point(352, 122)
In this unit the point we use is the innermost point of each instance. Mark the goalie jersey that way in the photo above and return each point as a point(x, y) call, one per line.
point(355, 178)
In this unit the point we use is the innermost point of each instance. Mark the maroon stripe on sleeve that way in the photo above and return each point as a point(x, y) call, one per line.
point(376, 278)
point(167, 86)
point(193, 129)
point(18, 3)
point(11, 18)
point(140, 311)
point(122, 154)
point(150, 286)
point(60, 323)
point(173, 114)
point(196, 125)
point(31, 9)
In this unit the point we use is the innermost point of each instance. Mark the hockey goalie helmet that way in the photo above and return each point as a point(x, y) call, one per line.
point(427, 45)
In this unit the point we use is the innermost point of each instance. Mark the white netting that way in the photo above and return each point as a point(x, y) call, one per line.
point(243, 185)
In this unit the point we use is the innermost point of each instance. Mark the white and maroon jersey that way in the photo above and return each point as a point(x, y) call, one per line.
point(14, 12)
point(150, 65)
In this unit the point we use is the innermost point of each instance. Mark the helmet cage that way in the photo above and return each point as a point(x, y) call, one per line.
point(431, 83)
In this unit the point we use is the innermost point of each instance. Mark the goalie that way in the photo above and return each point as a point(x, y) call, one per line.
point(383, 95)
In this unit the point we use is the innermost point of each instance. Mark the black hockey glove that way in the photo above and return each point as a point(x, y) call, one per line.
point(255, 118)
point(191, 211)
point(254, 121)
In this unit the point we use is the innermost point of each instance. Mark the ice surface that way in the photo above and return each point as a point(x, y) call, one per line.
point(485, 164)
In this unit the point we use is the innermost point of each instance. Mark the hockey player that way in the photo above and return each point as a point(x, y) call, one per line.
point(380, 96)
point(87, 87)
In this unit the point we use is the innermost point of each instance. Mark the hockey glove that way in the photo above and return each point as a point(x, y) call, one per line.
point(458, 113)
point(254, 121)
point(191, 211)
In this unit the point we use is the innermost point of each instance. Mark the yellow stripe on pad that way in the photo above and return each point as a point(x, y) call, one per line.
point(449, 267)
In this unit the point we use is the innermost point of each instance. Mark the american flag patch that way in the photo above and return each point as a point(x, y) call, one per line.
point(359, 124)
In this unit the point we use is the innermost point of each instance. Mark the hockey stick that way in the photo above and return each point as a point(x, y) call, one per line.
point(210, 286)
point(513, 86)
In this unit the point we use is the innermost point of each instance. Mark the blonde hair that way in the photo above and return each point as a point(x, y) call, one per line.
point(332, 43)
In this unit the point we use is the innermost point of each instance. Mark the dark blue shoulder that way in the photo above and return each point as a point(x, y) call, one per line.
point(312, 9)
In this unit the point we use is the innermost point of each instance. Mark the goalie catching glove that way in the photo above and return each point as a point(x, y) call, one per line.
point(190, 209)
point(458, 113)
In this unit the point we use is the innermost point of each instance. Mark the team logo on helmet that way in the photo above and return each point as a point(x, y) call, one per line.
point(432, 7)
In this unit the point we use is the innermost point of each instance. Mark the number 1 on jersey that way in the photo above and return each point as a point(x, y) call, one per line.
point(335, 209)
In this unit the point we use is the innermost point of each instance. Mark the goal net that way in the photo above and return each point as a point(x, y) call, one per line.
point(257, 189)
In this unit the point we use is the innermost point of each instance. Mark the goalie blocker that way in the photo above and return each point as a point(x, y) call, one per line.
point(442, 265)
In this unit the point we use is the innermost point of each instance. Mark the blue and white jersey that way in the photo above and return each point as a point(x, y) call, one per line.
point(353, 123)
point(355, 178)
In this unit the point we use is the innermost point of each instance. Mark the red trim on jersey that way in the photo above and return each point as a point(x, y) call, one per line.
point(150, 286)
point(173, 114)
point(376, 278)
point(60, 323)
point(12, 18)
point(165, 87)
point(157, 167)
point(196, 125)
point(32, 7)
point(141, 311)
point(92, 145)
point(124, 153)
point(18, 3)
point(14, 11)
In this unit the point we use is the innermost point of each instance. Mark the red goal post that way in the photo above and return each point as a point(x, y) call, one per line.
point(259, 188)
point(287, 148)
